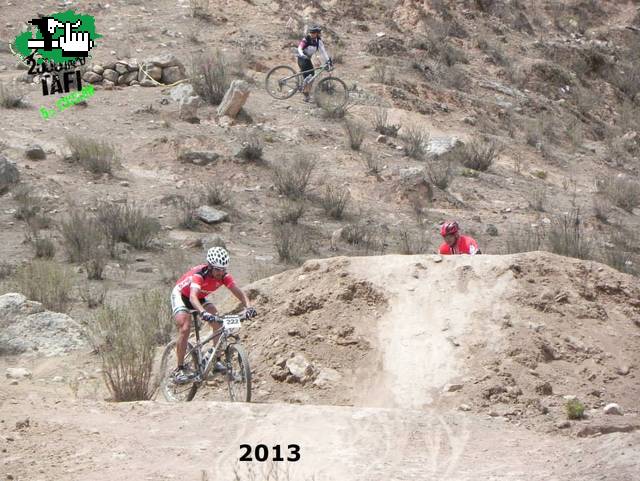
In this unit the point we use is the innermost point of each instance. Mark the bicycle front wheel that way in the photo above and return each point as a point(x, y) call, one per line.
point(331, 93)
point(282, 82)
point(170, 390)
point(238, 373)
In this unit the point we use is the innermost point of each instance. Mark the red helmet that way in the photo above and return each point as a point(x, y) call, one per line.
point(449, 227)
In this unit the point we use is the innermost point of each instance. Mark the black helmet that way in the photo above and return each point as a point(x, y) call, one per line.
point(315, 29)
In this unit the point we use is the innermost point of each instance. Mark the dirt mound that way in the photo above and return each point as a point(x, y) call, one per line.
point(504, 335)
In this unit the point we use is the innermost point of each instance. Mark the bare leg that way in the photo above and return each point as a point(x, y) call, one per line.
point(183, 322)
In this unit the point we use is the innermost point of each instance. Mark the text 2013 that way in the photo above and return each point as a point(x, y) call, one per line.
point(261, 453)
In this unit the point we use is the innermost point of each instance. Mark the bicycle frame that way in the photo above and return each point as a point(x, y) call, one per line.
point(204, 371)
point(300, 74)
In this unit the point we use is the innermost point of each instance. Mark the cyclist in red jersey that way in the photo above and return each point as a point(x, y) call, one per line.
point(454, 243)
point(190, 293)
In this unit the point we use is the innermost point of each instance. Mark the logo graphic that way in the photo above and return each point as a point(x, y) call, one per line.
point(60, 37)
point(55, 47)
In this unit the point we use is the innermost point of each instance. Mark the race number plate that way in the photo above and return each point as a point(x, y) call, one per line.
point(232, 323)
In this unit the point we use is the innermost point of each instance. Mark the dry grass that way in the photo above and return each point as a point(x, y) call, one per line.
point(381, 74)
point(84, 241)
point(216, 194)
point(413, 243)
point(125, 337)
point(415, 141)
point(619, 251)
point(47, 282)
point(10, 97)
point(525, 239)
point(479, 155)
point(494, 51)
point(602, 208)
point(251, 149)
point(290, 242)
point(98, 157)
point(292, 178)
point(127, 223)
point(290, 212)
point(381, 124)
point(537, 198)
point(355, 133)
point(211, 75)
point(622, 191)
point(187, 218)
point(440, 173)
point(567, 237)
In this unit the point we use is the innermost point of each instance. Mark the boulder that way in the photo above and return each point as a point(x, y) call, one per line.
point(92, 77)
point(166, 60)
point(234, 99)
point(9, 174)
point(613, 408)
point(121, 68)
point(110, 75)
point(210, 215)
point(188, 110)
point(299, 367)
point(154, 72)
point(147, 83)
point(326, 377)
point(35, 152)
point(99, 69)
point(127, 78)
point(18, 373)
point(198, 157)
point(172, 75)
point(181, 92)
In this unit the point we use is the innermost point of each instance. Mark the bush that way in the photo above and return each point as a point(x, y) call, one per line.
point(574, 409)
point(382, 126)
point(98, 157)
point(84, 241)
point(537, 198)
point(290, 213)
point(10, 98)
point(627, 79)
point(200, 9)
point(622, 191)
point(525, 240)
point(494, 51)
point(602, 209)
point(211, 76)
point(355, 133)
point(126, 223)
point(28, 206)
point(415, 139)
point(251, 149)
point(334, 201)
point(126, 337)
point(454, 77)
point(440, 174)
point(47, 282)
point(289, 241)
point(373, 164)
point(618, 252)
point(413, 244)
point(44, 247)
point(216, 194)
point(334, 113)
point(187, 217)
point(381, 75)
point(567, 237)
point(292, 178)
point(480, 156)
point(364, 236)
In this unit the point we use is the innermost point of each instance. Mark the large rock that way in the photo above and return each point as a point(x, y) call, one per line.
point(154, 72)
point(212, 241)
point(188, 110)
point(299, 367)
point(166, 60)
point(210, 215)
point(121, 68)
point(18, 373)
point(181, 92)
point(110, 75)
point(326, 377)
point(127, 78)
point(27, 327)
point(99, 69)
point(172, 75)
point(9, 174)
point(613, 408)
point(92, 77)
point(198, 157)
point(234, 99)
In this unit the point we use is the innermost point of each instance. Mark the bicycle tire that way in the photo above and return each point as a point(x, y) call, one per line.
point(173, 392)
point(242, 369)
point(331, 93)
point(274, 86)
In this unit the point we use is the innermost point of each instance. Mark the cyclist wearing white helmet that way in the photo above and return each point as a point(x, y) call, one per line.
point(308, 46)
point(190, 293)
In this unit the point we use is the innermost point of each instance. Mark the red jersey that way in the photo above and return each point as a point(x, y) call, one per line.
point(200, 278)
point(464, 245)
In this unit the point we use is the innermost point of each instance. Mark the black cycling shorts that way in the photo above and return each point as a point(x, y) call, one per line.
point(305, 64)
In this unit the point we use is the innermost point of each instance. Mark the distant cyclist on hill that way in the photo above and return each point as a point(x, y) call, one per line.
point(454, 243)
point(190, 293)
point(308, 46)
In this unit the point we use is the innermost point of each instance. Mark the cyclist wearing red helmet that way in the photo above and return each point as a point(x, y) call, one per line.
point(454, 243)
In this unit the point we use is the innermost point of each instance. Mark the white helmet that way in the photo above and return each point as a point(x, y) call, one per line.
point(218, 257)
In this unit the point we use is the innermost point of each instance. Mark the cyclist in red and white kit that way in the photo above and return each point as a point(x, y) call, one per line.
point(190, 293)
point(454, 243)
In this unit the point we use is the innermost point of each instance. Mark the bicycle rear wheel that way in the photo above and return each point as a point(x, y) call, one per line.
point(238, 373)
point(170, 390)
point(282, 82)
point(331, 93)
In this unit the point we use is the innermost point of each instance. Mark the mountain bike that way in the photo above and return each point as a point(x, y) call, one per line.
point(283, 82)
point(201, 362)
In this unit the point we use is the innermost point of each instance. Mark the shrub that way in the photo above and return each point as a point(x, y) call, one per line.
point(47, 282)
point(92, 296)
point(382, 126)
point(126, 223)
point(251, 148)
point(618, 252)
point(28, 206)
point(200, 9)
point(381, 75)
point(173, 264)
point(622, 191)
point(84, 241)
point(574, 409)
point(415, 139)
point(44, 247)
point(10, 98)
point(454, 77)
point(292, 178)
point(98, 157)
point(125, 337)
point(331, 112)
point(494, 51)
point(187, 217)
point(373, 164)
point(440, 174)
point(289, 241)
point(290, 212)
point(627, 79)
point(355, 133)
point(211, 76)
point(363, 236)
point(602, 209)
point(334, 201)
point(413, 244)
point(480, 156)
point(567, 237)
point(537, 198)
point(216, 194)
point(525, 239)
